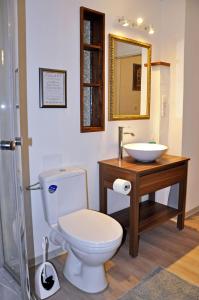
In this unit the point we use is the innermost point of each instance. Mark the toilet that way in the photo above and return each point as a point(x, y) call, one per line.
point(90, 237)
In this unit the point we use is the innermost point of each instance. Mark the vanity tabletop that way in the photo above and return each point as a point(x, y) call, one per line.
point(129, 164)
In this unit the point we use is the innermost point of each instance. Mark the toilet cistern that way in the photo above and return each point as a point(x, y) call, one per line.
point(121, 134)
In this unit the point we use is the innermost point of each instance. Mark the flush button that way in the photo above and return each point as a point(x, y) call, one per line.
point(52, 188)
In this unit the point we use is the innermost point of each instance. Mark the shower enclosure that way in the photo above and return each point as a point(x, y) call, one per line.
point(14, 279)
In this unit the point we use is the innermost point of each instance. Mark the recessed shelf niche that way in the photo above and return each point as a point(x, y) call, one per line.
point(92, 40)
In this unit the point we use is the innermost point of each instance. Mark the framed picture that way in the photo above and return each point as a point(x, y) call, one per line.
point(52, 88)
point(137, 74)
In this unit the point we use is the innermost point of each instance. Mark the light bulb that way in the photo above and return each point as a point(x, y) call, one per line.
point(139, 21)
point(124, 22)
point(151, 30)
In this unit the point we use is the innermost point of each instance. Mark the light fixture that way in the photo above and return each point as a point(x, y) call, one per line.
point(3, 106)
point(2, 56)
point(151, 30)
point(139, 24)
point(139, 21)
point(124, 22)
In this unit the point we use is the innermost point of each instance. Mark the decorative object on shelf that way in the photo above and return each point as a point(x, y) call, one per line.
point(92, 79)
point(137, 75)
point(138, 24)
point(52, 88)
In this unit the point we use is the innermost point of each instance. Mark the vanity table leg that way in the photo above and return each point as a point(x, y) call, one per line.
point(102, 193)
point(134, 222)
point(103, 200)
point(152, 197)
point(181, 205)
point(182, 202)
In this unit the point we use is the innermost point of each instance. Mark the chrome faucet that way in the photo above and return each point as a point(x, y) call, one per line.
point(120, 140)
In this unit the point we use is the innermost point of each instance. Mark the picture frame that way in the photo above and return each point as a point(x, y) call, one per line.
point(52, 88)
point(137, 73)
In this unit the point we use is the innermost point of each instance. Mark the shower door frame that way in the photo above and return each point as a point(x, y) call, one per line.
point(26, 203)
point(1, 247)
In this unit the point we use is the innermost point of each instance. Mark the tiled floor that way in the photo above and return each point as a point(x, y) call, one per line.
point(9, 289)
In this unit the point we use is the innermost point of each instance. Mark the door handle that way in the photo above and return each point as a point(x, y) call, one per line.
point(18, 141)
point(10, 145)
point(7, 145)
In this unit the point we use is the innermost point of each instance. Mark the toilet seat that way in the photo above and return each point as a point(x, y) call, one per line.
point(90, 230)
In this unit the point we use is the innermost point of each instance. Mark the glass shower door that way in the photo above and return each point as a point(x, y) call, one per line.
point(13, 242)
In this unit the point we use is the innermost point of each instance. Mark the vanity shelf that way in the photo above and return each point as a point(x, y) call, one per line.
point(151, 214)
point(146, 179)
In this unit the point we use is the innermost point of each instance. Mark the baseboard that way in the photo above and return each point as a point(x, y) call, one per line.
point(39, 259)
point(188, 213)
point(192, 212)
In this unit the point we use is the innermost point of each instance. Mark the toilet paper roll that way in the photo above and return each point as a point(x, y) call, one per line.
point(122, 186)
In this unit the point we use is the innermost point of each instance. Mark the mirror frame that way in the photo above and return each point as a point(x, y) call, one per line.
point(116, 117)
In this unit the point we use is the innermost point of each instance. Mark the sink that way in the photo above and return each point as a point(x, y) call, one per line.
point(145, 152)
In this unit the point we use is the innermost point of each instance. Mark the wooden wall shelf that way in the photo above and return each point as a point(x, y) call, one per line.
point(159, 63)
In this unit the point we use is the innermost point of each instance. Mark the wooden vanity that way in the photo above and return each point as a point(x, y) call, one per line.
point(145, 178)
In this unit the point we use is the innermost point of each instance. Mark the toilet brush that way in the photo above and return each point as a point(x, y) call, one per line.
point(46, 280)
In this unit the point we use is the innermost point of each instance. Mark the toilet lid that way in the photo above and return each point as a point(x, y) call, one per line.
point(91, 228)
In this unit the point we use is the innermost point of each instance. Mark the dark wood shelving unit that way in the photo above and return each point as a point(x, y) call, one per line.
point(92, 65)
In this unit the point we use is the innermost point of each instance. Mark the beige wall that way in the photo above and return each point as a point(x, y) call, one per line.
point(190, 136)
point(172, 41)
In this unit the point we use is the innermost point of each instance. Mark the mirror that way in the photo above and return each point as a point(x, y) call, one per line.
point(129, 79)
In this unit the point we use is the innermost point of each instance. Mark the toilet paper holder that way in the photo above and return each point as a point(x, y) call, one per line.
point(127, 186)
point(122, 186)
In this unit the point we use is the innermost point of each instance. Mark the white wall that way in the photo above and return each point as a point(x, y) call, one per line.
point(172, 51)
point(53, 42)
point(190, 139)
point(166, 81)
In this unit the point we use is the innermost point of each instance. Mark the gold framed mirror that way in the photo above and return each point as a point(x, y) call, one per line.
point(129, 79)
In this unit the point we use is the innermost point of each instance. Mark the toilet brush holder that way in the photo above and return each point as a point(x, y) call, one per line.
point(46, 281)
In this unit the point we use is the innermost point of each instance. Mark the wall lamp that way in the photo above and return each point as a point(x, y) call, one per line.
point(139, 24)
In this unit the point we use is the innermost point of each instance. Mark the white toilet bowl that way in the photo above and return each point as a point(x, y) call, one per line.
point(91, 238)
point(89, 246)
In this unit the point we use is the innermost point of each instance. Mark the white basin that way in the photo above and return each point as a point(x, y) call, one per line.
point(145, 152)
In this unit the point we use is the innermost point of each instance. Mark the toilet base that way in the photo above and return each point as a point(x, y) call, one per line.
point(90, 279)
